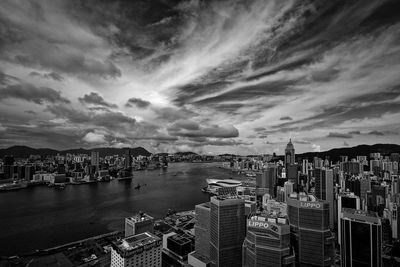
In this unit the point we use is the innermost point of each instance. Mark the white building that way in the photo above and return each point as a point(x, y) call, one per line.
point(142, 250)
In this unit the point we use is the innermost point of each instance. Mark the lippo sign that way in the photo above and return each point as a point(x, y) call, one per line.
point(262, 225)
point(311, 205)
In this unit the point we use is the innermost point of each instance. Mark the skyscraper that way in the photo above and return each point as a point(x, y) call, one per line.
point(310, 234)
point(266, 181)
point(202, 229)
point(128, 159)
point(267, 242)
point(95, 159)
point(361, 238)
point(349, 201)
point(324, 190)
point(289, 154)
point(227, 231)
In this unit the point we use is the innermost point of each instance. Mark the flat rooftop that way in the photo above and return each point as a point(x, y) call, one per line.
point(140, 217)
point(136, 241)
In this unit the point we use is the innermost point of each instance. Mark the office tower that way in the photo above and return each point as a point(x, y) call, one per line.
point(8, 167)
point(95, 159)
point(376, 199)
point(29, 172)
point(292, 173)
point(305, 167)
point(139, 223)
point(324, 190)
point(266, 181)
point(267, 242)
point(351, 167)
point(361, 239)
point(139, 250)
point(289, 189)
point(289, 154)
point(365, 186)
point(202, 229)
point(128, 159)
point(394, 217)
point(353, 184)
point(344, 159)
point(346, 200)
point(318, 162)
point(310, 234)
point(227, 231)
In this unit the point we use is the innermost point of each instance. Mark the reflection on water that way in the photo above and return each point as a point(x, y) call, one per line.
point(41, 217)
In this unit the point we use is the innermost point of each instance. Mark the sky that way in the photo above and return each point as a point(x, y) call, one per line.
point(238, 76)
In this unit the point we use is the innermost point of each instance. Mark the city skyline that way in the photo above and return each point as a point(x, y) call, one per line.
point(205, 76)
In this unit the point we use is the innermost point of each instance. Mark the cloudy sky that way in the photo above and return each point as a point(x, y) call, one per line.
point(207, 76)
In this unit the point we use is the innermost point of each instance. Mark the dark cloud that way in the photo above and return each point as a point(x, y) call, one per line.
point(355, 132)
point(140, 103)
point(259, 129)
point(96, 99)
point(301, 142)
point(286, 118)
point(52, 75)
point(30, 112)
point(28, 92)
point(339, 135)
point(205, 131)
point(377, 133)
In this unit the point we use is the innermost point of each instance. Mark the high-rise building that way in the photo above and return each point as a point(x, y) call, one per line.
point(227, 231)
point(139, 250)
point(361, 239)
point(139, 223)
point(267, 242)
point(289, 154)
point(266, 181)
point(349, 201)
point(95, 159)
point(324, 190)
point(351, 167)
point(202, 229)
point(128, 158)
point(310, 233)
point(305, 167)
point(8, 167)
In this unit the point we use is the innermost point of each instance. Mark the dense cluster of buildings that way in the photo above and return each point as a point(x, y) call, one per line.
point(295, 212)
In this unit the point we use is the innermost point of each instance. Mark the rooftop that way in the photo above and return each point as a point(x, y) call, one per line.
point(136, 241)
point(140, 217)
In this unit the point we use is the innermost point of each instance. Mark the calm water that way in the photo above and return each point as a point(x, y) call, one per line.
point(42, 217)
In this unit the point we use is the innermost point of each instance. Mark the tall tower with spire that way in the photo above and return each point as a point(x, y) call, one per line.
point(289, 154)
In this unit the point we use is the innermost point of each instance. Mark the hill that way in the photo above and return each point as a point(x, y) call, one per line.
point(25, 151)
point(351, 152)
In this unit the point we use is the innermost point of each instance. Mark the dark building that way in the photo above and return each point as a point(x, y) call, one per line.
point(361, 239)
point(324, 190)
point(227, 231)
point(139, 223)
point(266, 181)
point(8, 167)
point(353, 185)
point(267, 242)
point(128, 159)
point(376, 199)
point(311, 237)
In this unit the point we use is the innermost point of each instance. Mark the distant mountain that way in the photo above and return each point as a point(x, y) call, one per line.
point(351, 152)
point(186, 153)
point(25, 151)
